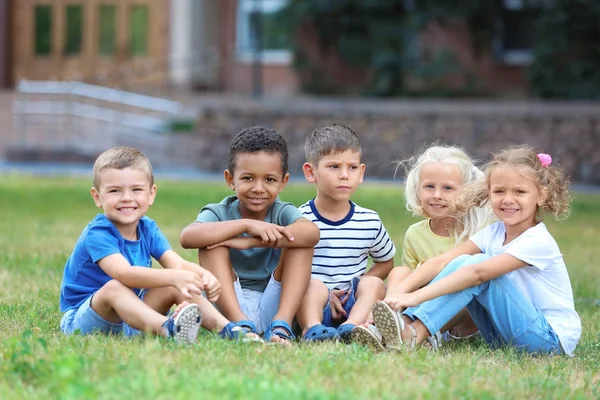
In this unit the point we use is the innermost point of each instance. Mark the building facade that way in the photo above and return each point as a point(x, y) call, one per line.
point(217, 45)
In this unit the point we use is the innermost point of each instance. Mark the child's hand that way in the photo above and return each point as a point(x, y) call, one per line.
point(336, 305)
point(400, 301)
point(212, 287)
point(187, 282)
point(267, 232)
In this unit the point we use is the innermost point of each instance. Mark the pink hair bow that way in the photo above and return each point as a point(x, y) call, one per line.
point(545, 159)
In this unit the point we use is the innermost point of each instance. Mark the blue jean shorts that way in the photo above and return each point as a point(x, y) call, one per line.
point(86, 321)
point(328, 318)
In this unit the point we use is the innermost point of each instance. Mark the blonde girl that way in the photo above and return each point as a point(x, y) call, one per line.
point(511, 275)
point(434, 179)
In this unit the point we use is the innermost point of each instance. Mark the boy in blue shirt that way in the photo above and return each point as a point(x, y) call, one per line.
point(257, 246)
point(342, 291)
point(108, 284)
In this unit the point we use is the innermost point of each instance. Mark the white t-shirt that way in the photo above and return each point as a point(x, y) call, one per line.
point(345, 246)
point(544, 281)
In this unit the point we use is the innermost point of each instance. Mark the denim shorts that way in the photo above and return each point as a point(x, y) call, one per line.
point(328, 318)
point(259, 307)
point(86, 321)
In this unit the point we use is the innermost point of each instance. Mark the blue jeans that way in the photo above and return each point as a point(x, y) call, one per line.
point(86, 321)
point(498, 308)
point(328, 317)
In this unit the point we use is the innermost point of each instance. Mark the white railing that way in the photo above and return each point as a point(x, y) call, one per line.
point(87, 119)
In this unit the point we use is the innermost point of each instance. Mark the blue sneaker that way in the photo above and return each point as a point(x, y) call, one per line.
point(184, 327)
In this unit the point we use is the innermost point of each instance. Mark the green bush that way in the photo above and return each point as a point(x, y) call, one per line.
point(567, 51)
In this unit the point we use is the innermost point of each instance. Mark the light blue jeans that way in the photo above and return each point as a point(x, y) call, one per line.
point(499, 309)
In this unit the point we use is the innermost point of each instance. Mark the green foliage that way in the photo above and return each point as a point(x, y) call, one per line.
point(369, 35)
point(379, 36)
point(567, 51)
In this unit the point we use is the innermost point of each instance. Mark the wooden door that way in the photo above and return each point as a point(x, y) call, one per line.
point(115, 43)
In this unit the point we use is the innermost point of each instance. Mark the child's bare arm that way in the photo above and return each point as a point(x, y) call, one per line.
point(304, 232)
point(172, 260)
point(381, 269)
point(430, 268)
point(117, 267)
point(466, 277)
point(199, 235)
point(301, 234)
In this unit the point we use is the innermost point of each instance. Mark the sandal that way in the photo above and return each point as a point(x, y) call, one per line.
point(185, 325)
point(279, 328)
point(345, 332)
point(435, 341)
point(391, 325)
point(247, 324)
point(235, 331)
point(369, 337)
point(320, 333)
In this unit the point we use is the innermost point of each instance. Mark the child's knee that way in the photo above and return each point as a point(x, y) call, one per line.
point(371, 284)
point(464, 260)
point(316, 285)
point(399, 273)
point(112, 289)
point(475, 259)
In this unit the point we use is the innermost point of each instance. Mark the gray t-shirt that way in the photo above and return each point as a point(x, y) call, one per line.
point(253, 266)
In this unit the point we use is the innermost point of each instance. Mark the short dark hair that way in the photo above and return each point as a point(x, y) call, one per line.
point(334, 138)
point(256, 139)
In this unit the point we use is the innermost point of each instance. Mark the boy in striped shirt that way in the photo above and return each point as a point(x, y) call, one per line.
point(342, 290)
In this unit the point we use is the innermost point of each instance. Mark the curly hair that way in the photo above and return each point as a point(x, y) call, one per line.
point(468, 221)
point(334, 138)
point(122, 157)
point(558, 202)
point(256, 139)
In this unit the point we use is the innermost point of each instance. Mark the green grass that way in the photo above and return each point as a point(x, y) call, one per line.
point(43, 217)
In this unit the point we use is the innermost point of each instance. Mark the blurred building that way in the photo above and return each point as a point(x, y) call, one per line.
point(237, 46)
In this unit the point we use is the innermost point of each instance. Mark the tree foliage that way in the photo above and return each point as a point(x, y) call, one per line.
point(379, 36)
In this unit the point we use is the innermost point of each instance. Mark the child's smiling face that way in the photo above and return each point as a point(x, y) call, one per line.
point(125, 196)
point(257, 180)
point(515, 197)
point(439, 188)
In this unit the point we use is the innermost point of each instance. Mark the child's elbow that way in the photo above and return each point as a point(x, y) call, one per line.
point(185, 238)
point(313, 234)
point(478, 275)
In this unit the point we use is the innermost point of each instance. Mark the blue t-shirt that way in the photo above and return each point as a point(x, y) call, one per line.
point(83, 276)
point(253, 266)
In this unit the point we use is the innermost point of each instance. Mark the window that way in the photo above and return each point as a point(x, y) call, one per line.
point(107, 30)
point(74, 26)
point(262, 17)
point(515, 32)
point(138, 30)
point(43, 30)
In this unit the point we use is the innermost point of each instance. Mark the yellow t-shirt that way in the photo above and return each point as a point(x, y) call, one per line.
point(421, 244)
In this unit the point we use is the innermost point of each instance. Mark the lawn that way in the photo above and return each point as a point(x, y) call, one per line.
point(43, 217)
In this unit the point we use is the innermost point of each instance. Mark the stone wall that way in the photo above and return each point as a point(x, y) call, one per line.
point(392, 130)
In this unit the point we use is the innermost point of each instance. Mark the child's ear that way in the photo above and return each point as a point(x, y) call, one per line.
point(543, 196)
point(96, 197)
point(285, 180)
point(309, 172)
point(362, 172)
point(229, 179)
point(153, 191)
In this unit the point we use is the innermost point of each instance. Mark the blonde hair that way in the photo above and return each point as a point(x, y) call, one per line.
point(120, 158)
point(558, 202)
point(468, 222)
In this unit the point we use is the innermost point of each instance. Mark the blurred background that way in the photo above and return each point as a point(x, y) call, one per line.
point(179, 78)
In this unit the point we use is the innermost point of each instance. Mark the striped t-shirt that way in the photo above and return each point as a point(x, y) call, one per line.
point(345, 246)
